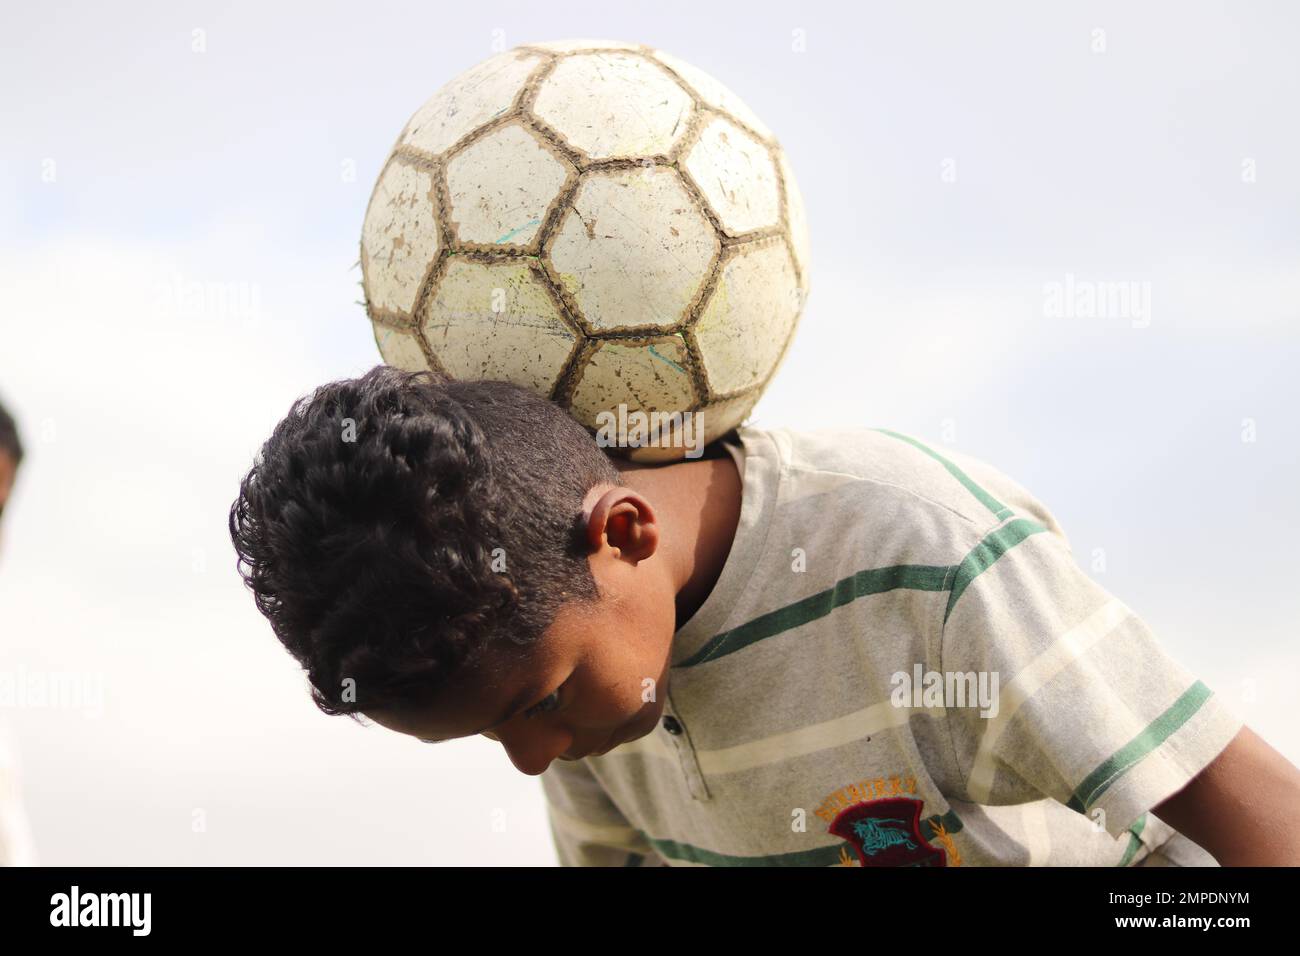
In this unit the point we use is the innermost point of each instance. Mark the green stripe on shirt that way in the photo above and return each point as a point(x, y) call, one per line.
point(981, 557)
point(919, 577)
point(1134, 840)
point(1137, 749)
point(1000, 510)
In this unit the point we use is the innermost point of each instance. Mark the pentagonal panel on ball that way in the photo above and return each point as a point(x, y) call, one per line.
point(749, 316)
point(643, 375)
point(714, 93)
point(632, 249)
point(721, 417)
point(500, 187)
point(399, 238)
point(496, 320)
point(735, 173)
point(797, 219)
point(708, 424)
point(470, 100)
point(613, 105)
point(400, 349)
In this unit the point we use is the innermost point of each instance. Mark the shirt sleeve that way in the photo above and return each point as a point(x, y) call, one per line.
point(1088, 708)
point(588, 829)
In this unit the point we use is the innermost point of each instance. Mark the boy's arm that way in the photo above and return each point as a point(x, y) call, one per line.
point(1237, 806)
point(1089, 708)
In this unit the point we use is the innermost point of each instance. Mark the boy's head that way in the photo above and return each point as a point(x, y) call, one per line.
point(11, 455)
point(431, 551)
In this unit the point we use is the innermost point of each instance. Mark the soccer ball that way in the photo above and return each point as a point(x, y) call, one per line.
point(599, 222)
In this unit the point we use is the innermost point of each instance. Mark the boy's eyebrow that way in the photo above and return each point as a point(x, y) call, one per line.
point(517, 705)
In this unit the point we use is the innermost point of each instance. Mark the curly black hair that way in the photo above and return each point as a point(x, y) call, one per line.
point(9, 443)
point(396, 526)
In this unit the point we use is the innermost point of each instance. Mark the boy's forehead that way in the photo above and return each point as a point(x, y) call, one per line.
point(475, 699)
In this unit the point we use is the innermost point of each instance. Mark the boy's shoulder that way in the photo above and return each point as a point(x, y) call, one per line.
point(911, 471)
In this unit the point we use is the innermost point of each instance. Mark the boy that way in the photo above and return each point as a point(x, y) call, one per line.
point(11, 455)
point(732, 660)
point(16, 847)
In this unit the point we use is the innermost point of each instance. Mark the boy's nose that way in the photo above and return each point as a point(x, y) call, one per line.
point(526, 759)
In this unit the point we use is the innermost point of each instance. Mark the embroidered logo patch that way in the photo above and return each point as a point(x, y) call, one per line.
point(940, 828)
point(887, 833)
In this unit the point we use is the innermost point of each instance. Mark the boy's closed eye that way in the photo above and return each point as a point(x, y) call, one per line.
point(546, 705)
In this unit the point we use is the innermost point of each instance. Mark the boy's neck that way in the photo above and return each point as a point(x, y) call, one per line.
point(697, 502)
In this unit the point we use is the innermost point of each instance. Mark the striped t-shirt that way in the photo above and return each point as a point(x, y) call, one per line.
point(815, 713)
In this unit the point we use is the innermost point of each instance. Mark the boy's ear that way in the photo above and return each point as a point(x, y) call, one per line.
point(630, 527)
point(622, 517)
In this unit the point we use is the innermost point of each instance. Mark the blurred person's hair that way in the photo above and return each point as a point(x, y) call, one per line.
point(9, 441)
point(396, 526)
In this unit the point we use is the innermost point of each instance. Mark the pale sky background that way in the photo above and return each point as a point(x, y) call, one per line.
point(142, 406)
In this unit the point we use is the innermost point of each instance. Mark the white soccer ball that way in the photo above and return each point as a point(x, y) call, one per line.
point(599, 222)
